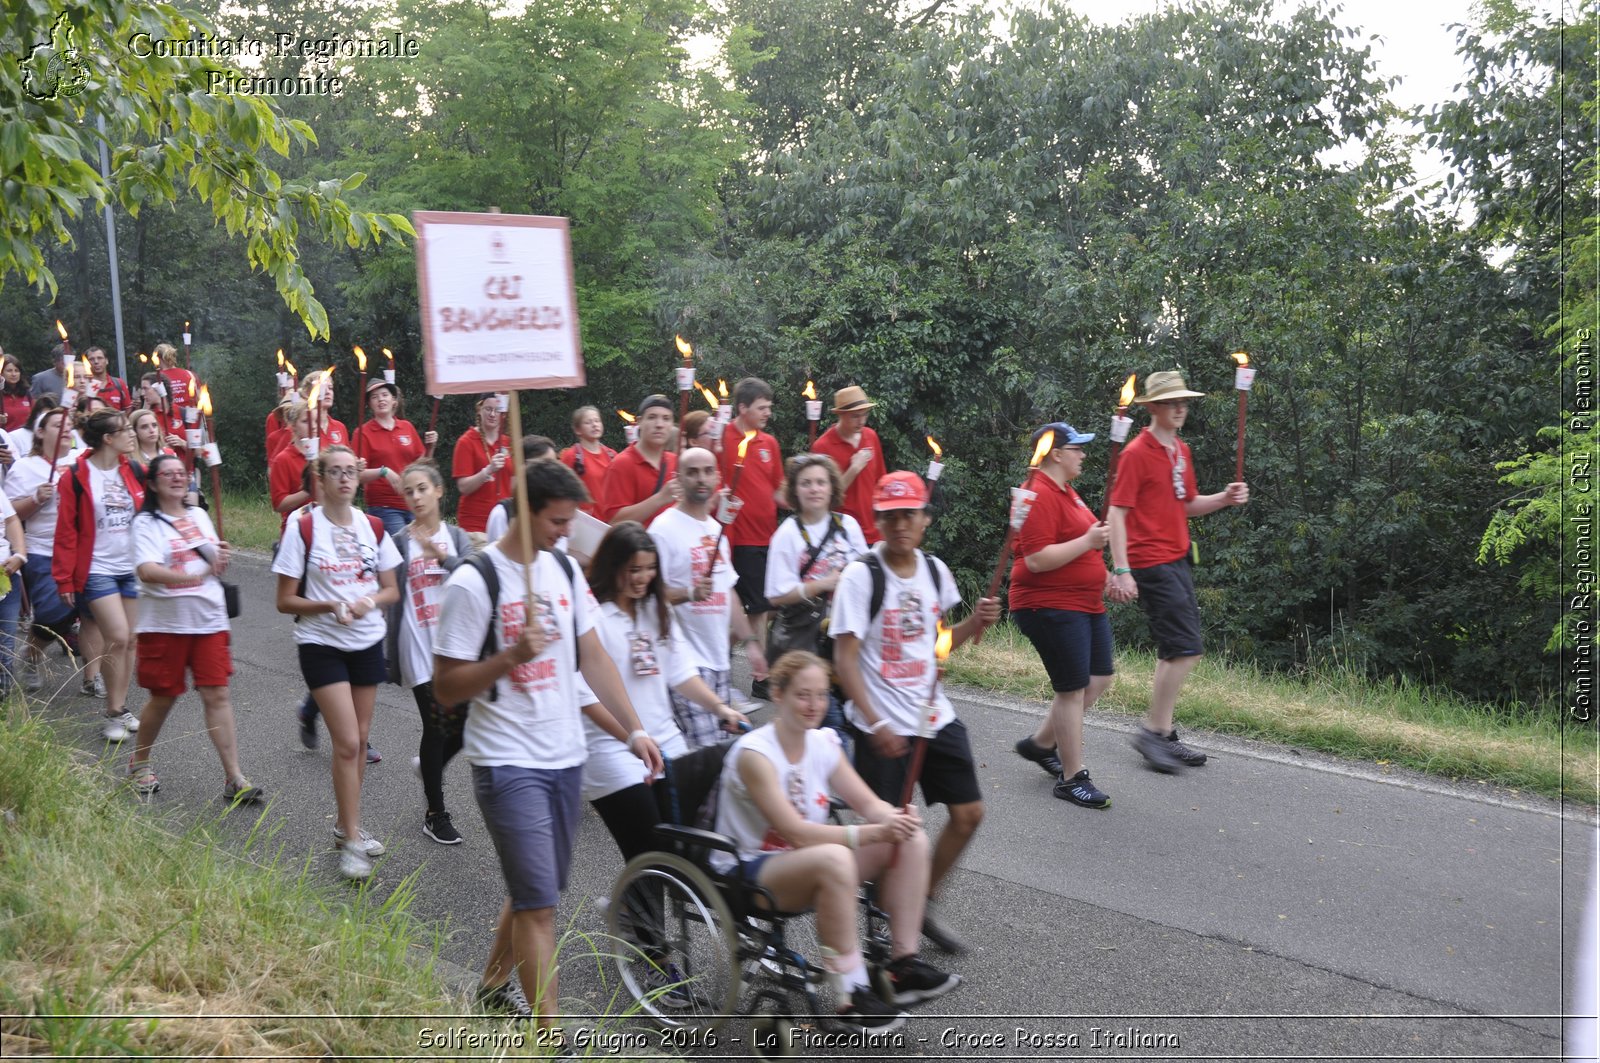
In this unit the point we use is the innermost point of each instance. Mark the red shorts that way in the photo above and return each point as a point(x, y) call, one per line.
point(164, 657)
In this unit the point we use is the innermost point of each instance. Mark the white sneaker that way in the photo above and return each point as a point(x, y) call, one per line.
point(353, 863)
point(128, 721)
point(94, 687)
point(368, 844)
point(114, 729)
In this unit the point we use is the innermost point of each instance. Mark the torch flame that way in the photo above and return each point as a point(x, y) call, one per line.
point(1127, 391)
point(61, 329)
point(361, 359)
point(191, 388)
point(290, 367)
point(709, 395)
point(685, 348)
point(145, 358)
point(744, 445)
point(69, 373)
point(1241, 357)
point(938, 451)
point(945, 642)
point(811, 390)
point(316, 392)
point(387, 353)
point(722, 390)
point(626, 416)
point(280, 357)
point(205, 402)
point(1047, 443)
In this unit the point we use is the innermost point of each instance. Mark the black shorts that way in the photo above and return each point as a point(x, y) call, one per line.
point(750, 562)
point(325, 665)
point(948, 774)
point(1166, 594)
point(1072, 645)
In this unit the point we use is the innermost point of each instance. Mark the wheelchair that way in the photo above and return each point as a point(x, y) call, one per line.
point(696, 946)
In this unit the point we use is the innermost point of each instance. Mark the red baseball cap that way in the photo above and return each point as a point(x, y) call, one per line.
point(900, 490)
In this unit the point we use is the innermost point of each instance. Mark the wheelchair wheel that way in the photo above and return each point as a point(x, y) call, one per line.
point(676, 942)
point(882, 984)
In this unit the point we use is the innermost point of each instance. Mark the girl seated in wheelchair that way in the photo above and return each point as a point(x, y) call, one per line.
point(776, 784)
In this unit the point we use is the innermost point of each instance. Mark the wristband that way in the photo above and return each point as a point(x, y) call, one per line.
point(634, 736)
point(804, 597)
point(852, 836)
point(1121, 571)
point(880, 725)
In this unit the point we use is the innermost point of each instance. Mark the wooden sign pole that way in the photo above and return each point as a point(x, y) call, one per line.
point(519, 489)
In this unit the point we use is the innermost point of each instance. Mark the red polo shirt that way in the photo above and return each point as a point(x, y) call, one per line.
point(285, 477)
point(469, 459)
point(1157, 523)
point(631, 479)
point(335, 434)
point(395, 447)
point(1058, 515)
point(858, 496)
point(763, 474)
point(111, 391)
point(593, 473)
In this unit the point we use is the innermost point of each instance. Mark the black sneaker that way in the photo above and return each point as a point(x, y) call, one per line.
point(373, 756)
point(916, 981)
point(437, 826)
point(504, 999)
point(675, 989)
point(935, 930)
point(759, 691)
point(308, 727)
point(868, 1014)
point(1157, 751)
point(1081, 790)
point(1028, 749)
point(1190, 756)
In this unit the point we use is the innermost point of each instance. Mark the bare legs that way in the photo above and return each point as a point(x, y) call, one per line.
point(347, 711)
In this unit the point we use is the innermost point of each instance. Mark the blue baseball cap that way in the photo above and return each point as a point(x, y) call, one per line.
point(1065, 434)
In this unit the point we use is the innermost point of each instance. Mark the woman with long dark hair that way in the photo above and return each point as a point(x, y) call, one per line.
point(16, 404)
point(636, 629)
point(183, 628)
point(93, 559)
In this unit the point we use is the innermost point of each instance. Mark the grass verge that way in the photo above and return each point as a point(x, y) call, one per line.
point(248, 519)
point(1382, 723)
point(131, 934)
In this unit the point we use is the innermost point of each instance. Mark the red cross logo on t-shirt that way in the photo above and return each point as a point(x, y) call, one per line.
point(563, 601)
point(822, 799)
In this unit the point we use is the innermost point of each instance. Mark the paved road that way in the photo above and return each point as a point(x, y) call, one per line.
point(1269, 905)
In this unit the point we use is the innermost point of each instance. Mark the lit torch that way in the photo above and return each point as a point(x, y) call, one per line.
point(213, 455)
point(727, 512)
point(1021, 502)
point(935, 467)
point(1243, 379)
point(186, 338)
point(285, 382)
point(630, 427)
point(707, 394)
point(925, 725)
point(813, 412)
point(361, 388)
point(724, 409)
point(388, 373)
point(685, 382)
point(1120, 423)
point(66, 345)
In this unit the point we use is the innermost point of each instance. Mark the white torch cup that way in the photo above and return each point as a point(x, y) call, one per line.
point(1243, 378)
point(284, 381)
point(935, 470)
point(191, 415)
point(728, 509)
point(813, 409)
point(308, 446)
point(194, 438)
point(69, 399)
point(388, 376)
point(685, 377)
point(213, 454)
point(504, 402)
point(1119, 429)
point(1021, 503)
point(630, 432)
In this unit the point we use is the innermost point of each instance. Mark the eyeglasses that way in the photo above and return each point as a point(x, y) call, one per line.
point(342, 472)
point(1074, 450)
point(179, 473)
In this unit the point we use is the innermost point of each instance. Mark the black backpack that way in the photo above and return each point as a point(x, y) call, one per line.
point(484, 564)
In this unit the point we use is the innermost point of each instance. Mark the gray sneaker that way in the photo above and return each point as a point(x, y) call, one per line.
point(1190, 756)
point(33, 676)
point(94, 687)
point(1157, 751)
point(506, 998)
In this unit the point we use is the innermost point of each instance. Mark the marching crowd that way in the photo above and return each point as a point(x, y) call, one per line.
point(587, 657)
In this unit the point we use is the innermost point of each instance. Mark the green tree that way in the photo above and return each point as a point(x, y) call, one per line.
point(172, 134)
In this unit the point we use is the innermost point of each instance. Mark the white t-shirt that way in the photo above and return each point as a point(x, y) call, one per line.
point(787, 553)
point(804, 783)
point(419, 613)
point(345, 562)
point(113, 521)
point(193, 608)
point(897, 648)
point(534, 722)
point(24, 478)
point(500, 520)
point(683, 545)
point(650, 664)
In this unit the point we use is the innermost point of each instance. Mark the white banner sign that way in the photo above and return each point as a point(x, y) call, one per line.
point(499, 307)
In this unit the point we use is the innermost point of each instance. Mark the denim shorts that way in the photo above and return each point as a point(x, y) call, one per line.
point(1073, 645)
point(98, 586)
point(532, 818)
point(48, 609)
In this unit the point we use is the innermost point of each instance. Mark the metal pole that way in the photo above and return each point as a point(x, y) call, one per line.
point(111, 251)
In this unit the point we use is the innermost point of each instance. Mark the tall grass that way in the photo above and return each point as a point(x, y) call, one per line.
point(1389, 723)
point(126, 933)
